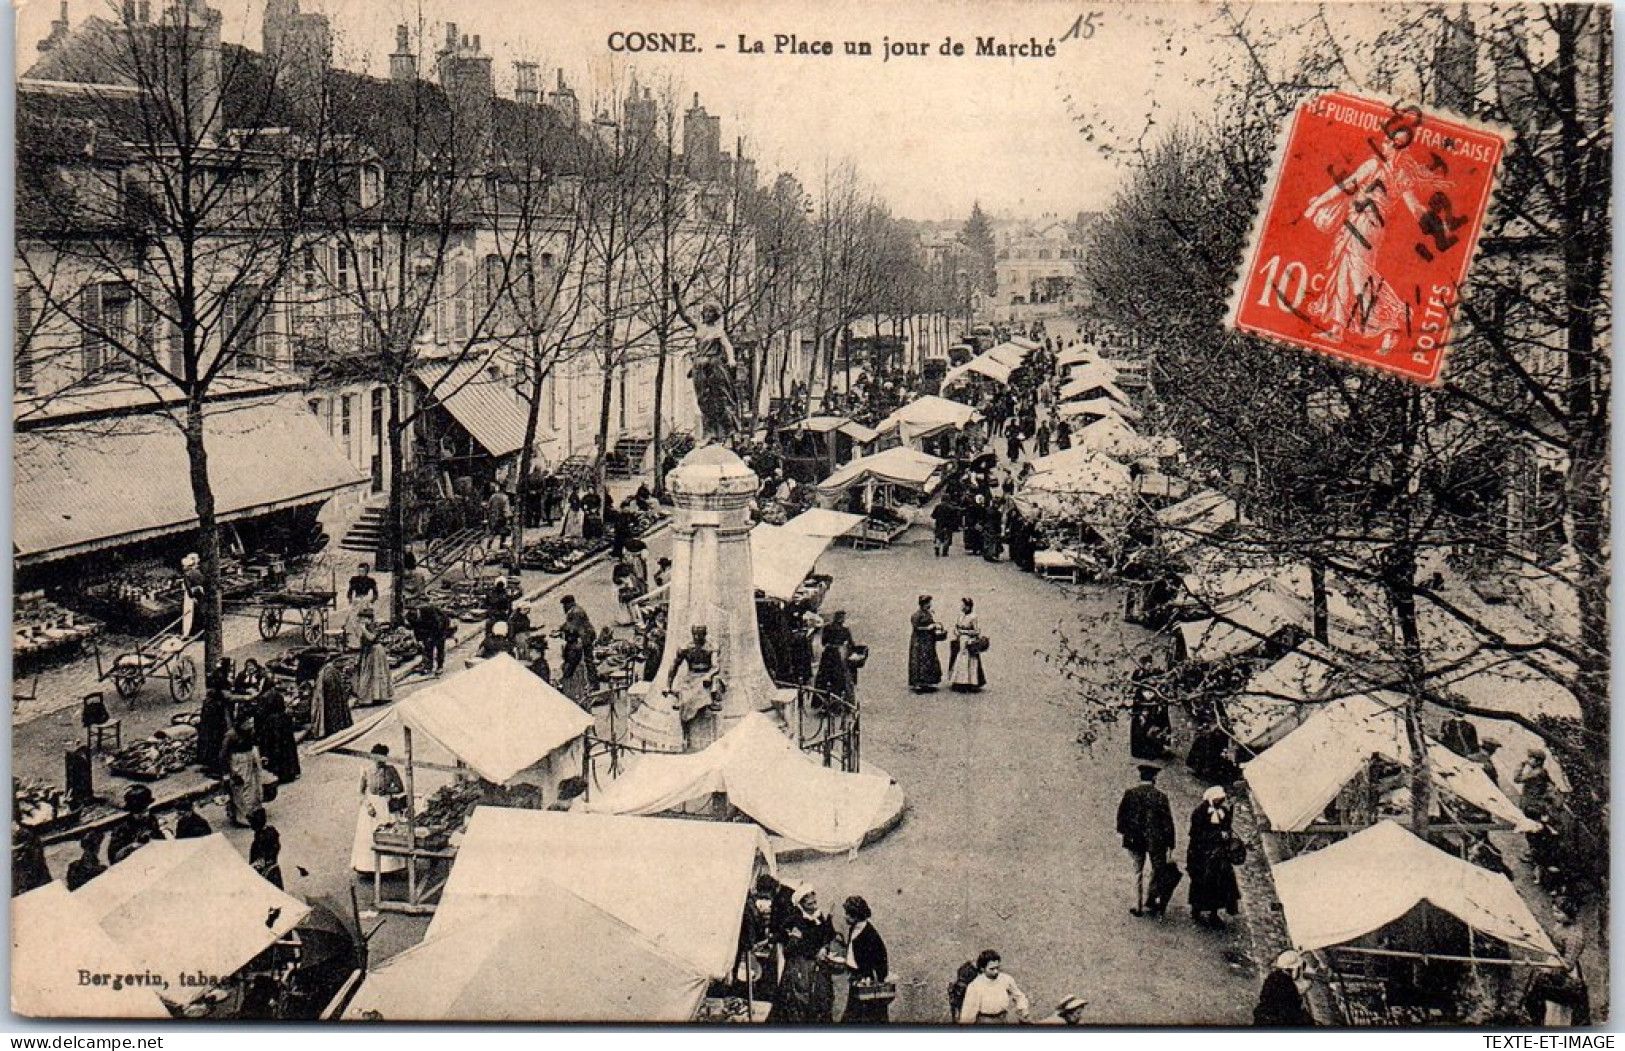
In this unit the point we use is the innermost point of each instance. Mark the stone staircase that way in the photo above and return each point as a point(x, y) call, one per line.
point(626, 459)
point(366, 535)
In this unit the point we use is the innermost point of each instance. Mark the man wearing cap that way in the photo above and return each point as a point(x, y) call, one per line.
point(1067, 1012)
point(1146, 823)
point(1279, 1001)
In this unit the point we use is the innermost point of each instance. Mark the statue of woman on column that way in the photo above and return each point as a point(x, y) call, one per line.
point(712, 371)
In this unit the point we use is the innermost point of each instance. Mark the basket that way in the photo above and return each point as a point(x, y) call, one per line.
point(873, 992)
point(858, 657)
point(939, 632)
point(978, 645)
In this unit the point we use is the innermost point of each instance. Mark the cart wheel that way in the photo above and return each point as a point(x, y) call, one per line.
point(474, 559)
point(312, 627)
point(183, 678)
point(128, 682)
point(270, 622)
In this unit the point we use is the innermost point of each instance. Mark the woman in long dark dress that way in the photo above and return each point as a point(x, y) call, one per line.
point(866, 964)
point(330, 707)
point(834, 663)
point(214, 720)
point(807, 988)
point(245, 791)
point(924, 666)
point(273, 734)
point(1208, 859)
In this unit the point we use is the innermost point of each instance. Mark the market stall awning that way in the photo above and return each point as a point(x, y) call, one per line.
point(781, 558)
point(55, 937)
point(927, 416)
point(821, 521)
point(1086, 375)
point(897, 466)
point(1194, 519)
point(93, 484)
point(825, 424)
point(1113, 437)
point(981, 365)
point(1364, 883)
point(1079, 396)
point(188, 905)
point(1496, 681)
point(484, 406)
point(766, 776)
point(551, 957)
point(1278, 699)
point(1072, 480)
point(1077, 354)
point(1074, 459)
point(682, 885)
point(1298, 777)
point(1245, 624)
point(498, 717)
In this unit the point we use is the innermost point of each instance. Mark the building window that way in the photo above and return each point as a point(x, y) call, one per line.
point(377, 265)
point(459, 303)
point(341, 264)
point(22, 339)
point(315, 407)
point(493, 277)
point(372, 185)
point(345, 426)
point(105, 311)
point(240, 328)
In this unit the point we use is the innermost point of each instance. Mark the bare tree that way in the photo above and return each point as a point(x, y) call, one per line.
point(158, 218)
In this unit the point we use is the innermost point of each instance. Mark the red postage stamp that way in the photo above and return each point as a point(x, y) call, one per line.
point(1367, 232)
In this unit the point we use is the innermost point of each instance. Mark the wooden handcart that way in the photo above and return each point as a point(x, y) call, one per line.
point(163, 657)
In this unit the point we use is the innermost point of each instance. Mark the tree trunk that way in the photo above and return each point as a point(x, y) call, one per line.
point(395, 528)
point(658, 430)
point(1322, 614)
point(208, 533)
point(527, 452)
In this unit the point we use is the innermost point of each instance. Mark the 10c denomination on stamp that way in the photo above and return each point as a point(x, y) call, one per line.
point(1368, 229)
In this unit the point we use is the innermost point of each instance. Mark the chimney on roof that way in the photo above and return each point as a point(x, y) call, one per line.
point(403, 66)
point(451, 36)
point(476, 41)
point(144, 11)
point(564, 102)
point(59, 29)
point(526, 90)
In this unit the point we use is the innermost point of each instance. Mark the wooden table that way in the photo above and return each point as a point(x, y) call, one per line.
point(416, 902)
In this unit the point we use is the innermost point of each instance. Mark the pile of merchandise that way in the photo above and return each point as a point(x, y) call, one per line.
point(167, 751)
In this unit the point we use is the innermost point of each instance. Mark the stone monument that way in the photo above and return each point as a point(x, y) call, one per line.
point(711, 586)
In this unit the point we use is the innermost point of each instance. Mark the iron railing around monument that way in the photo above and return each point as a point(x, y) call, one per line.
point(827, 726)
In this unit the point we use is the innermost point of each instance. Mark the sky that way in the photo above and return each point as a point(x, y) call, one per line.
point(929, 133)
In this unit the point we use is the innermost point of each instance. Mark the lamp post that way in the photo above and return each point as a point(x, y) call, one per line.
point(964, 287)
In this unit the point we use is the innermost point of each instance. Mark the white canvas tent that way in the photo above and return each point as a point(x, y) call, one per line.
point(1113, 437)
point(981, 365)
point(498, 718)
point(825, 424)
point(1092, 387)
point(552, 957)
point(821, 521)
point(55, 937)
point(781, 558)
point(1364, 883)
point(1103, 407)
point(927, 416)
point(187, 906)
point(682, 885)
point(1278, 699)
point(763, 774)
point(1078, 354)
point(1194, 519)
point(897, 466)
point(1245, 623)
point(1496, 681)
point(1072, 482)
point(1301, 774)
